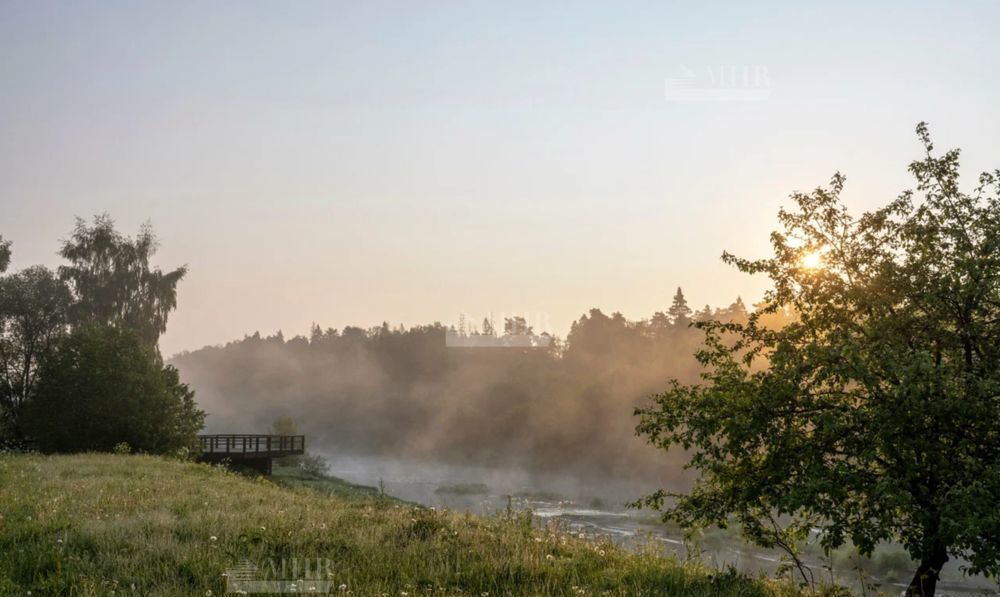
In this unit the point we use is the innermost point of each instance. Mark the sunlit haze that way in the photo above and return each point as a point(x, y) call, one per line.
point(812, 260)
point(349, 163)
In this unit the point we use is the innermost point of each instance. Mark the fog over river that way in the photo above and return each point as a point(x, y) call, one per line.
point(598, 509)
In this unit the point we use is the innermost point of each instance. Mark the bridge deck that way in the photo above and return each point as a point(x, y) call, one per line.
point(253, 450)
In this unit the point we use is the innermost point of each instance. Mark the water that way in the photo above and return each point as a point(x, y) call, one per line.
point(595, 509)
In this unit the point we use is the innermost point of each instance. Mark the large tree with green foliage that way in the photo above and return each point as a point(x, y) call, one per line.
point(876, 415)
point(113, 281)
point(33, 306)
point(106, 385)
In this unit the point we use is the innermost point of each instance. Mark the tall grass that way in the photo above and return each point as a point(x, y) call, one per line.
point(139, 525)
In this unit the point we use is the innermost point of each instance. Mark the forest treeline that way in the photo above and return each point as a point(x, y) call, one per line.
point(410, 393)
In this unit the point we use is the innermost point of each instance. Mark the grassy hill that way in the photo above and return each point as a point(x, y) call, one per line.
point(139, 525)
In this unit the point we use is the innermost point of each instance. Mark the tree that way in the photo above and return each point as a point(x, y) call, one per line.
point(516, 326)
point(679, 311)
point(106, 385)
point(876, 415)
point(113, 282)
point(735, 312)
point(33, 305)
point(705, 314)
point(4, 254)
point(284, 425)
point(659, 324)
point(308, 462)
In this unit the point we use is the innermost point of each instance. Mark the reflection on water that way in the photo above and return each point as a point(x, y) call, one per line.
point(598, 509)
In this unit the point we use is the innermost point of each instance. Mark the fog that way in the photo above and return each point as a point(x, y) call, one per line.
point(562, 411)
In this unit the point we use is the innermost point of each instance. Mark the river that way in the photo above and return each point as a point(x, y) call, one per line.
point(598, 509)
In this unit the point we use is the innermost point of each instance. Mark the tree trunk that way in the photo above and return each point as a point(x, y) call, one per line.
point(924, 582)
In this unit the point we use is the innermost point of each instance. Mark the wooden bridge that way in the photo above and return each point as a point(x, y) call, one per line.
point(254, 451)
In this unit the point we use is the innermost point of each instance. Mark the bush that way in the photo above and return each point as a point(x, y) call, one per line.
point(314, 464)
point(104, 387)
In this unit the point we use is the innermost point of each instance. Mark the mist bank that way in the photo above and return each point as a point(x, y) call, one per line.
point(410, 394)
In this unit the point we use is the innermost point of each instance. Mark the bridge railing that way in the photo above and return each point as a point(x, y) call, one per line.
point(252, 444)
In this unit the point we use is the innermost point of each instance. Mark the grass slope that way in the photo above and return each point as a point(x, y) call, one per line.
point(139, 525)
point(292, 476)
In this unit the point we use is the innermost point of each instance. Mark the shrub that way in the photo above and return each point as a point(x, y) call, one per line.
point(314, 464)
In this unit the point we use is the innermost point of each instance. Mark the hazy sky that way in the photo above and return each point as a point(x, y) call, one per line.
point(349, 163)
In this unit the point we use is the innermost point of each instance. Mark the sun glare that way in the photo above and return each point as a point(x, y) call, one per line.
point(813, 260)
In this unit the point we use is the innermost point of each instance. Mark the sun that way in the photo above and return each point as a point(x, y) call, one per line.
point(812, 260)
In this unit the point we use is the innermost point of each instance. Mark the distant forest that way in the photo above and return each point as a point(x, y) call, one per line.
point(410, 393)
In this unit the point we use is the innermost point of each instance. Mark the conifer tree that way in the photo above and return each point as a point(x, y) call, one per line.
point(679, 311)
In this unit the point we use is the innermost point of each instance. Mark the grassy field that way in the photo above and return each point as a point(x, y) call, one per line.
point(139, 525)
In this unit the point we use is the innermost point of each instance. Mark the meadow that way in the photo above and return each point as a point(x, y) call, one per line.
point(108, 524)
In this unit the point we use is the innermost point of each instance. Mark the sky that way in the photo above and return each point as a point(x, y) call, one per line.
point(348, 163)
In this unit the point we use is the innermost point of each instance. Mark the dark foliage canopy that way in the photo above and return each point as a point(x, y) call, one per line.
point(113, 281)
point(33, 306)
point(4, 254)
point(103, 386)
